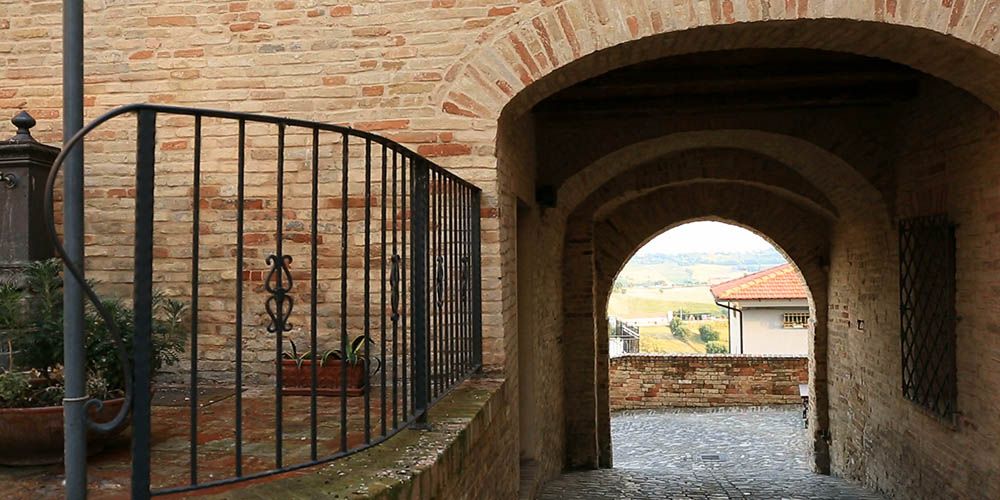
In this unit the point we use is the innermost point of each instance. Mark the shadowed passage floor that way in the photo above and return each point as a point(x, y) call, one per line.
point(725, 453)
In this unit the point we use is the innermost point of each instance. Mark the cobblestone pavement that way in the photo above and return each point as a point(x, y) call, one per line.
point(746, 453)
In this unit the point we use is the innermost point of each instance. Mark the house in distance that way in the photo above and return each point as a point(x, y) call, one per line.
point(768, 311)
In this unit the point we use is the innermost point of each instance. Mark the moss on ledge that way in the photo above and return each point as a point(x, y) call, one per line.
point(401, 467)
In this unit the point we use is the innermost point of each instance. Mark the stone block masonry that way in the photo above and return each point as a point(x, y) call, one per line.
point(661, 381)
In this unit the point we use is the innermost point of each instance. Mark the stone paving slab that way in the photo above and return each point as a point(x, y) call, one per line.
point(725, 453)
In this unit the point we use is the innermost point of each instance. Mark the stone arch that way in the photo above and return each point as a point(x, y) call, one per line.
point(516, 64)
point(815, 164)
point(677, 224)
point(701, 171)
point(548, 46)
point(624, 230)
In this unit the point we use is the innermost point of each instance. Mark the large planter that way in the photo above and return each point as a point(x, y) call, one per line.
point(34, 436)
point(297, 379)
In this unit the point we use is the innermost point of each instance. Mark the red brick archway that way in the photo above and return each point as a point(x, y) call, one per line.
point(547, 49)
point(687, 186)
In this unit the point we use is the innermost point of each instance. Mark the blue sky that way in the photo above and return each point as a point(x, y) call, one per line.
point(705, 236)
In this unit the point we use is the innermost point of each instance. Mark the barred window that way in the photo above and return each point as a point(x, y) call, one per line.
point(796, 320)
point(927, 312)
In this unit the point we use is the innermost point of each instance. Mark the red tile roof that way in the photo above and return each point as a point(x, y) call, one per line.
point(782, 282)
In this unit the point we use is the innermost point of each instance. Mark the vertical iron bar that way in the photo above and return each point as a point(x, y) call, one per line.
point(406, 226)
point(280, 323)
point(395, 323)
point(460, 215)
point(382, 319)
point(439, 243)
point(74, 365)
point(435, 268)
point(469, 237)
point(368, 298)
point(432, 273)
point(449, 347)
point(142, 302)
point(477, 284)
point(456, 263)
point(344, 342)
point(420, 257)
point(452, 283)
point(240, 195)
point(464, 287)
point(445, 289)
point(195, 234)
point(314, 264)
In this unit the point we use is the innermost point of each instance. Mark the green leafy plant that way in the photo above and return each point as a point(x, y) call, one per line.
point(708, 334)
point(354, 355)
point(716, 348)
point(677, 328)
point(34, 328)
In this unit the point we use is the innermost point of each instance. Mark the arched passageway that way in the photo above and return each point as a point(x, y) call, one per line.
point(822, 151)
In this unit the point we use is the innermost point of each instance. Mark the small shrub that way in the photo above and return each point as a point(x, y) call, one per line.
point(36, 313)
point(677, 328)
point(708, 334)
point(716, 348)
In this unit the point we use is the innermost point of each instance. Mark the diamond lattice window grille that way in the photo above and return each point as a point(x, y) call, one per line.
point(927, 312)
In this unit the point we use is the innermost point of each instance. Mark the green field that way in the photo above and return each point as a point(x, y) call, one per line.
point(636, 303)
point(659, 338)
point(657, 302)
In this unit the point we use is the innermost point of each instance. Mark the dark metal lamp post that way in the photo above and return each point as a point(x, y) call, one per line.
point(74, 412)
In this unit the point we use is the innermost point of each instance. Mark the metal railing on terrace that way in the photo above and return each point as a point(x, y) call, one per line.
point(365, 253)
point(624, 335)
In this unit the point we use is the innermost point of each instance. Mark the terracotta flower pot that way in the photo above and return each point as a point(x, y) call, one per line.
point(34, 436)
point(297, 380)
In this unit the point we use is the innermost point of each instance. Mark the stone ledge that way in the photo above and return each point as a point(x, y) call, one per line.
point(412, 464)
point(688, 355)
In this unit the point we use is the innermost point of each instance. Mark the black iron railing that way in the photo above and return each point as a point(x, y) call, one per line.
point(627, 334)
point(389, 254)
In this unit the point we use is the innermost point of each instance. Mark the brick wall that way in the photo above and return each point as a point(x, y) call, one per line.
point(660, 381)
point(438, 76)
point(469, 452)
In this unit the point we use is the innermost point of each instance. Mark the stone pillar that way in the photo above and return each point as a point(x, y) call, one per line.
point(24, 167)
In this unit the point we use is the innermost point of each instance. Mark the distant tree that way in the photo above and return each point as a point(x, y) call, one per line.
point(708, 334)
point(716, 348)
point(677, 328)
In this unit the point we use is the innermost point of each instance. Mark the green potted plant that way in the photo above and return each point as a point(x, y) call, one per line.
point(31, 386)
point(296, 370)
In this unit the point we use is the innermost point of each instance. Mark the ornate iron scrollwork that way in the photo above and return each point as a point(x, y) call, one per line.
point(463, 278)
point(439, 282)
point(394, 285)
point(278, 284)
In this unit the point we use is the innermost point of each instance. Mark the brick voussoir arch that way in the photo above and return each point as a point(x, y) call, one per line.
point(845, 190)
point(693, 178)
point(641, 219)
point(625, 229)
point(515, 65)
point(722, 165)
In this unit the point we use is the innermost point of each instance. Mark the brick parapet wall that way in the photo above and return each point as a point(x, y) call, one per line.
point(468, 451)
point(658, 381)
